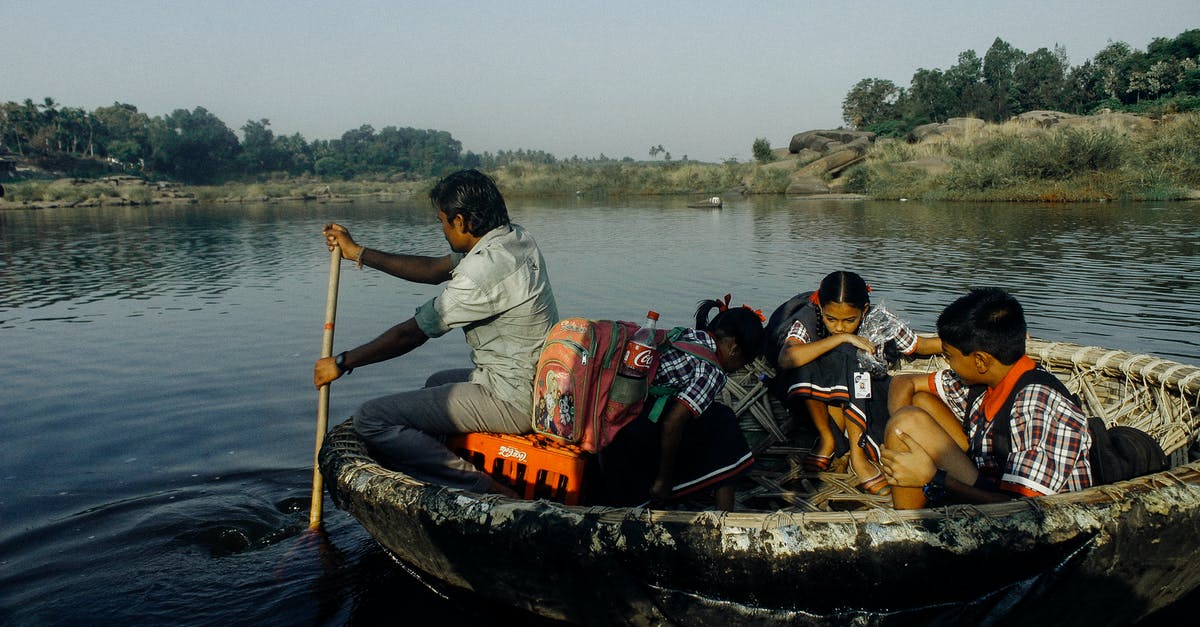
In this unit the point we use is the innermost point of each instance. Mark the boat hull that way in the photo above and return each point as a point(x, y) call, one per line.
point(1128, 549)
point(1113, 554)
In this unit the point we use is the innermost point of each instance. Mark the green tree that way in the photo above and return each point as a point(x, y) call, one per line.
point(762, 150)
point(1039, 81)
point(192, 146)
point(965, 82)
point(1112, 69)
point(295, 153)
point(1185, 46)
point(21, 123)
point(1084, 88)
point(124, 133)
point(48, 132)
point(999, 62)
point(929, 97)
point(260, 152)
point(870, 101)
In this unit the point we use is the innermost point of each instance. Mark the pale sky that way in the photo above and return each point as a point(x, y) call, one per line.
point(703, 79)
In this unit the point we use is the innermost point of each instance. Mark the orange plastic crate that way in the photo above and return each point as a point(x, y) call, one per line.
point(535, 467)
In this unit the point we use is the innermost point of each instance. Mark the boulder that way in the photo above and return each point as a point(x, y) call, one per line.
point(806, 155)
point(832, 163)
point(1042, 119)
point(826, 141)
point(950, 129)
point(806, 185)
point(1120, 121)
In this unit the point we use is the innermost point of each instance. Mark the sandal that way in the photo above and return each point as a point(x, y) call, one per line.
point(816, 463)
point(876, 485)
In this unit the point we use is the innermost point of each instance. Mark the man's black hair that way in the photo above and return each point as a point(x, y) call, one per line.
point(473, 195)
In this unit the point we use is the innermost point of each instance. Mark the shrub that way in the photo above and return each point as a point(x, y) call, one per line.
point(1067, 153)
point(890, 128)
point(762, 150)
point(1174, 149)
point(858, 179)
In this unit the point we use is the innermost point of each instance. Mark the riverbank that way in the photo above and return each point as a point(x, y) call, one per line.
point(1040, 156)
point(1048, 157)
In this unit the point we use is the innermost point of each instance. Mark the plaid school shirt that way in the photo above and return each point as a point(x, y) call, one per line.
point(1050, 438)
point(699, 381)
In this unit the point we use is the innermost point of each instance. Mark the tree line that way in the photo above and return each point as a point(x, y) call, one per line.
point(197, 147)
point(1008, 81)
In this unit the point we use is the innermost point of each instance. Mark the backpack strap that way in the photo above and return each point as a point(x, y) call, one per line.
point(1002, 428)
point(695, 349)
point(801, 305)
point(663, 393)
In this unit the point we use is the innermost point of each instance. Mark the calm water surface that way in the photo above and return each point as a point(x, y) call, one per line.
point(159, 415)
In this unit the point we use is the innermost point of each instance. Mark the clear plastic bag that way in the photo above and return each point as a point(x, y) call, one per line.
point(879, 326)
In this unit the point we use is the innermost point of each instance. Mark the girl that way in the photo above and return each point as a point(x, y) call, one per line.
point(834, 349)
point(697, 442)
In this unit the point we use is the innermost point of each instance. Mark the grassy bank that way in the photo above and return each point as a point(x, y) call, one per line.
point(523, 179)
point(1008, 162)
point(640, 179)
point(994, 162)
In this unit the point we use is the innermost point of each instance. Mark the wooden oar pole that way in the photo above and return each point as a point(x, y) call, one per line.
point(318, 487)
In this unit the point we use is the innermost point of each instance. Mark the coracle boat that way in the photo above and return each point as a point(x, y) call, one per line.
point(807, 547)
point(707, 203)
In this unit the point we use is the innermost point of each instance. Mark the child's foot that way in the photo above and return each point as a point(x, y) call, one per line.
point(820, 457)
point(877, 485)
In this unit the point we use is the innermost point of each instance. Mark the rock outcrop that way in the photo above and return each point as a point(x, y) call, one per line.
point(953, 128)
point(833, 151)
point(829, 141)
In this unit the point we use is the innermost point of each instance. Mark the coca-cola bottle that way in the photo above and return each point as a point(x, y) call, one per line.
point(639, 351)
point(630, 384)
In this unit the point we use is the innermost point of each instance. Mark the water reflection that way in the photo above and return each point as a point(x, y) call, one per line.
point(160, 414)
point(1083, 270)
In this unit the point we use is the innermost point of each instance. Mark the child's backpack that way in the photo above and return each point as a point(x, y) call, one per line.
point(1121, 452)
point(1118, 453)
point(578, 397)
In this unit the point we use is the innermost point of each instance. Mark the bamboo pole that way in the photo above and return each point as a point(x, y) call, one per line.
point(318, 492)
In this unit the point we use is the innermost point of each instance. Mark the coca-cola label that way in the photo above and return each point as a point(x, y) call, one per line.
point(638, 357)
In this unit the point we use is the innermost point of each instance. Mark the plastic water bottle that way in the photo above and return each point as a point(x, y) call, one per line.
point(630, 384)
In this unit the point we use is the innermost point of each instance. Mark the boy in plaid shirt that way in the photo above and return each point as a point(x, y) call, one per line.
point(938, 451)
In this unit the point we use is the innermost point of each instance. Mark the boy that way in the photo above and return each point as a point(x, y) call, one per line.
point(948, 449)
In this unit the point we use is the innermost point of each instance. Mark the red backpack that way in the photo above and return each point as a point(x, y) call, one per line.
point(578, 398)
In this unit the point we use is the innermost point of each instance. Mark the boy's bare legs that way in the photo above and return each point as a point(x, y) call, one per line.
point(945, 450)
point(942, 414)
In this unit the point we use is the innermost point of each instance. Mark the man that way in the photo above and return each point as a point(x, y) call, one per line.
point(497, 290)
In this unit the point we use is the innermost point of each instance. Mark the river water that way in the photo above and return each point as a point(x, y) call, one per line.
point(159, 414)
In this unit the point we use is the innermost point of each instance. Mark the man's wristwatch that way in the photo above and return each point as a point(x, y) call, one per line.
point(935, 490)
point(340, 362)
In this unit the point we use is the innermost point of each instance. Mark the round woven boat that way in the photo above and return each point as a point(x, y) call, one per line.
point(808, 548)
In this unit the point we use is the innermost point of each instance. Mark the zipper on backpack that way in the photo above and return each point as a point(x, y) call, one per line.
point(579, 348)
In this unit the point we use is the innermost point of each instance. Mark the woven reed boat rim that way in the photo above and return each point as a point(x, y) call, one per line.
point(359, 469)
point(1184, 379)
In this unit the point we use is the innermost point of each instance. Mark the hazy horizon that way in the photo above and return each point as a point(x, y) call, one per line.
point(702, 79)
